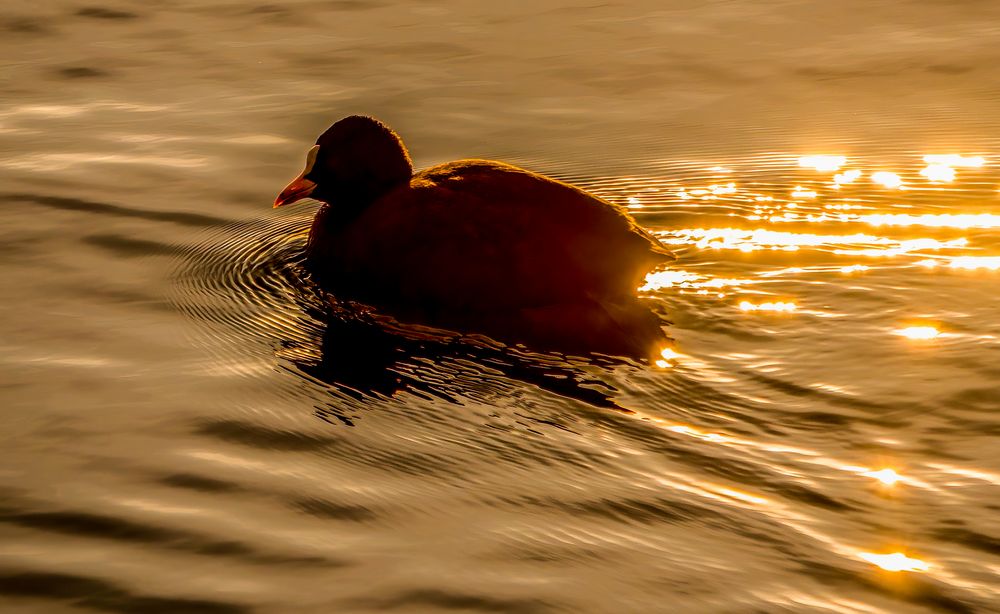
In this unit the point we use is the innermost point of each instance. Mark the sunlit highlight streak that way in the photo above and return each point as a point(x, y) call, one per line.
point(716, 493)
point(633, 203)
point(57, 111)
point(785, 217)
point(904, 247)
point(788, 516)
point(263, 140)
point(244, 463)
point(738, 238)
point(792, 270)
point(822, 163)
point(671, 278)
point(669, 358)
point(846, 177)
point(722, 282)
point(808, 456)
point(780, 307)
point(992, 478)
point(149, 505)
point(828, 603)
point(720, 190)
point(800, 192)
point(742, 496)
point(933, 220)
point(930, 220)
point(753, 240)
point(888, 180)
point(805, 455)
point(955, 160)
point(61, 161)
point(918, 333)
point(897, 561)
point(854, 268)
point(971, 263)
point(257, 139)
point(887, 476)
point(667, 279)
point(938, 173)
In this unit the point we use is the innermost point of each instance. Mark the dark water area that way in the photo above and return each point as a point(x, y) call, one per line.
point(187, 429)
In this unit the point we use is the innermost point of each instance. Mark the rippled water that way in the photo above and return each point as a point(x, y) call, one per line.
point(189, 428)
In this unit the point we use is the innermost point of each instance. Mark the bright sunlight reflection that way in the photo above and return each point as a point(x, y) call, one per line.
point(955, 160)
point(667, 279)
point(972, 263)
point(761, 238)
point(669, 358)
point(938, 173)
point(671, 278)
point(887, 179)
point(846, 177)
point(918, 332)
point(800, 192)
point(933, 220)
point(854, 268)
point(776, 306)
point(889, 477)
point(897, 561)
point(822, 163)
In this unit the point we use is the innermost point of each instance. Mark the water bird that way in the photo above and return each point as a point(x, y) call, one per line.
point(475, 246)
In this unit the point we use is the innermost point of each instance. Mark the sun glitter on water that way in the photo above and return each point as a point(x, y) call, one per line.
point(823, 163)
point(888, 180)
point(854, 268)
point(668, 358)
point(955, 160)
point(887, 476)
point(973, 263)
point(938, 173)
point(919, 333)
point(778, 306)
point(897, 561)
point(800, 192)
point(846, 177)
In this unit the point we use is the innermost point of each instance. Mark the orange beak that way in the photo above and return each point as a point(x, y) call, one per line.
point(299, 188)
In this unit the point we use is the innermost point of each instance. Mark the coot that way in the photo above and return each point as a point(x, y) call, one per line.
point(475, 246)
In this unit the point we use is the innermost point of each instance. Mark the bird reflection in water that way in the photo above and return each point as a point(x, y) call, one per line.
point(364, 354)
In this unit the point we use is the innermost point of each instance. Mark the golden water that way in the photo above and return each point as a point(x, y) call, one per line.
point(183, 432)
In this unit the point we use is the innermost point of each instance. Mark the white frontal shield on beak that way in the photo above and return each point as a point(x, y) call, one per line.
point(300, 187)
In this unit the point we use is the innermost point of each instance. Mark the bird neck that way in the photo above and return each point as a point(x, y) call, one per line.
point(331, 220)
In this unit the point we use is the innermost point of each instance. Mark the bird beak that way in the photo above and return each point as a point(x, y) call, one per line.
point(300, 187)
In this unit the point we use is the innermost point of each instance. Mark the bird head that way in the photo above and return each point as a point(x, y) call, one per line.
point(353, 163)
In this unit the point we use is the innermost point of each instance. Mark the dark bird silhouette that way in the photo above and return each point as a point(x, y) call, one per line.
point(475, 246)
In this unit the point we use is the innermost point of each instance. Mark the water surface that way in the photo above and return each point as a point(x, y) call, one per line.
point(187, 430)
